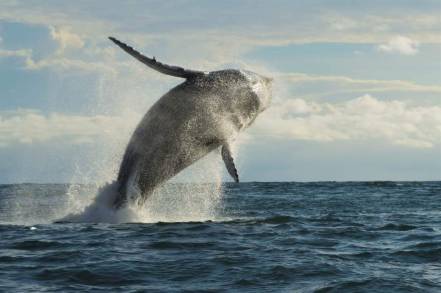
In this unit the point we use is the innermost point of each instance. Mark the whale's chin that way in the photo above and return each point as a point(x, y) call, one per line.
point(261, 86)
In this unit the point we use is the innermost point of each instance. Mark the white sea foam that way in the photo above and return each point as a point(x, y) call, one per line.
point(173, 202)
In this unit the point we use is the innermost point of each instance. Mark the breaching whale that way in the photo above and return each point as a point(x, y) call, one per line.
point(203, 113)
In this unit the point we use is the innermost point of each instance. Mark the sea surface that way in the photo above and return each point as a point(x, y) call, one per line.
point(261, 237)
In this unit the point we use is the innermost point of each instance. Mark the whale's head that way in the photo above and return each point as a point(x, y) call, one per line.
point(261, 86)
point(243, 94)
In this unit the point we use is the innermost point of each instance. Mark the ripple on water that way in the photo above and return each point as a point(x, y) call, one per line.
point(177, 245)
point(397, 227)
point(36, 245)
point(374, 284)
point(86, 277)
point(275, 237)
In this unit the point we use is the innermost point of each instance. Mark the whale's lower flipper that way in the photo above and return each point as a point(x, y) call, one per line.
point(229, 162)
point(161, 67)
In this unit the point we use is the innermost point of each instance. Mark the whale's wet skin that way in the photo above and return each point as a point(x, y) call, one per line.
point(205, 112)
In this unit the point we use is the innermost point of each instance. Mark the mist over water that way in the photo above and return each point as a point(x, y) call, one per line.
point(173, 202)
point(176, 201)
point(129, 95)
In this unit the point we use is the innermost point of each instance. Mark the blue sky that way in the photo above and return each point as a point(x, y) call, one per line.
point(357, 92)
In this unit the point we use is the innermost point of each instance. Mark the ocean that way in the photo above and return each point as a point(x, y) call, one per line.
point(253, 237)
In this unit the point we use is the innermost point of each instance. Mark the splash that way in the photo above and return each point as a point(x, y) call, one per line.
point(177, 201)
point(174, 202)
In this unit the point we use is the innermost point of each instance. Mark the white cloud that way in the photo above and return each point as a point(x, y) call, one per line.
point(228, 37)
point(400, 44)
point(332, 87)
point(27, 126)
point(359, 84)
point(362, 119)
point(61, 63)
point(77, 27)
point(57, 62)
point(66, 38)
point(16, 53)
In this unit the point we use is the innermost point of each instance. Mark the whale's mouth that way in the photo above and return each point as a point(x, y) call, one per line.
point(263, 90)
point(261, 87)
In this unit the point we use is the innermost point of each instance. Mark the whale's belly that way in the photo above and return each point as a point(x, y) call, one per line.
point(176, 132)
point(165, 156)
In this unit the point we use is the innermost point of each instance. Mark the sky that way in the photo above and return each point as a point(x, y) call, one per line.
point(356, 94)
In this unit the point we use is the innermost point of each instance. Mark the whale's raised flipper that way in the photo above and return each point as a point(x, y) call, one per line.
point(229, 162)
point(161, 67)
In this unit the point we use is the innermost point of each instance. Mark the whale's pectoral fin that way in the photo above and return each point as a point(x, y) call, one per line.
point(229, 162)
point(161, 67)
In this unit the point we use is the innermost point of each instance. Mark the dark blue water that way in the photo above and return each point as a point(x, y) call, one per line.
point(280, 237)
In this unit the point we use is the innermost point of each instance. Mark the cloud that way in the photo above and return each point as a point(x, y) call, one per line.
point(309, 86)
point(362, 119)
point(16, 53)
point(57, 62)
point(225, 38)
point(400, 44)
point(66, 39)
point(218, 42)
point(60, 63)
point(27, 126)
point(373, 84)
point(365, 118)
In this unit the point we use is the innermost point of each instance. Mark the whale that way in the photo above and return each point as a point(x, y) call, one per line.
point(204, 113)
